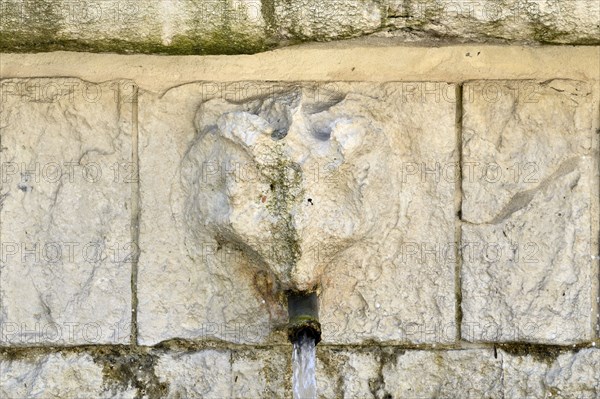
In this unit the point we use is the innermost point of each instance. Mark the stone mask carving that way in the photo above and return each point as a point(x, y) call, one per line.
point(289, 179)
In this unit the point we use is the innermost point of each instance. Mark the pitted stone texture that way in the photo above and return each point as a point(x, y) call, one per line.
point(312, 19)
point(318, 165)
point(205, 374)
point(204, 27)
point(532, 21)
point(260, 372)
point(65, 212)
point(398, 279)
point(186, 26)
point(346, 373)
point(518, 136)
point(569, 375)
point(528, 180)
point(68, 376)
point(291, 220)
point(248, 26)
point(443, 374)
point(217, 296)
point(380, 372)
point(224, 374)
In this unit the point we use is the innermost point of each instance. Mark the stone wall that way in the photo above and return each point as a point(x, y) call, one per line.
point(448, 219)
point(250, 26)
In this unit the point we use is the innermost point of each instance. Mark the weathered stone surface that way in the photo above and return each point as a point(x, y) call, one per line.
point(394, 373)
point(249, 26)
point(427, 374)
point(313, 19)
point(343, 373)
point(569, 375)
point(397, 279)
point(205, 374)
point(261, 373)
point(216, 295)
point(530, 190)
point(197, 290)
point(156, 26)
point(474, 373)
point(56, 375)
point(368, 60)
point(237, 232)
point(530, 21)
point(65, 215)
point(225, 374)
point(359, 372)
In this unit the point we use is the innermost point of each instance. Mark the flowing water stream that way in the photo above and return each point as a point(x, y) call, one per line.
point(304, 379)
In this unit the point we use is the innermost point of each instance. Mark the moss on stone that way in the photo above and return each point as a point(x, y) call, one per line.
point(387, 356)
point(220, 42)
point(12, 354)
point(304, 325)
point(30, 27)
point(285, 181)
point(539, 352)
point(133, 368)
point(216, 43)
point(123, 367)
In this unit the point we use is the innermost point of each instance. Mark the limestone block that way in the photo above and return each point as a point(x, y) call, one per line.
point(181, 26)
point(224, 374)
point(296, 187)
point(250, 26)
point(327, 20)
point(65, 212)
point(395, 283)
point(573, 21)
point(568, 375)
point(205, 374)
point(444, 374)
point(206, 26)
point(530, 196)
point(344, 373)
point(367, 372)
point(261, 372)
point(189, 288)
point(68, 376)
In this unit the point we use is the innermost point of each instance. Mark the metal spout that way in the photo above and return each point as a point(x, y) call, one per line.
point(303, 311)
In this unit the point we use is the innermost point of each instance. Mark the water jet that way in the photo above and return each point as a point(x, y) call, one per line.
point(304, 331)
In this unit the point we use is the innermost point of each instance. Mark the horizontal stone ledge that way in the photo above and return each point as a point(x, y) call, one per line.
point(357, 60)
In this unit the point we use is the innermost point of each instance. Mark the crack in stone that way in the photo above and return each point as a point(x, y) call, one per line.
point(523, 198)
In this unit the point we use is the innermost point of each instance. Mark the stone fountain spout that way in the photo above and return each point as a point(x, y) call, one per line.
point(290, 180)
point(303, 311)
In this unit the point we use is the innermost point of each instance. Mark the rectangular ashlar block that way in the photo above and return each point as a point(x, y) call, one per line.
point(65, 212)
point(530, 211)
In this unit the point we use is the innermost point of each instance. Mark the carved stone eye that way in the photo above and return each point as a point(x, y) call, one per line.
point(278, 134)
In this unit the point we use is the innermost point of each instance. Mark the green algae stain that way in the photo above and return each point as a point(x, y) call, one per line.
point(285, 184)
point(130, 368)
point(539, 352)
point(214, 44)
point(31, 27)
